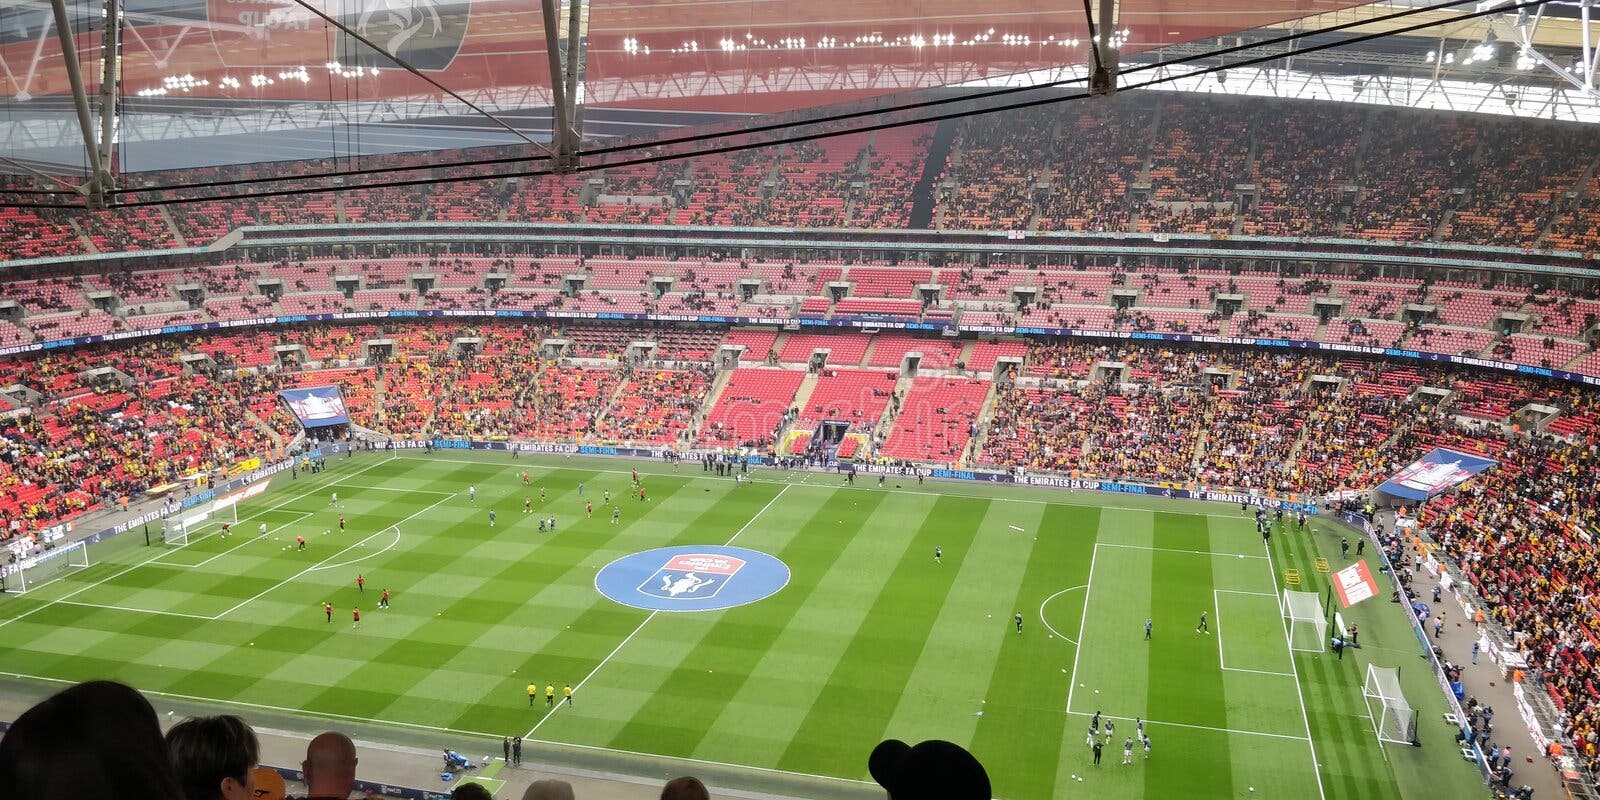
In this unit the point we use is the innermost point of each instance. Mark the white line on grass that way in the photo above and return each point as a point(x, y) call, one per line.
point(248, 538)
point(387, 489)
point(1222, 659)
point(758, 514)
point(1082, 622)
point(386, 548)
point(323, 563)
point(1046, 622)
point(699, 761)
point(1175, 550)
point(414, 456)
point(1316, 766)
point(130, 568)
point(136, 610)
point(1153, 722)
point(651, 616)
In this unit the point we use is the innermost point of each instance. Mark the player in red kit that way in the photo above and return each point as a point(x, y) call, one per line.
point(361, 583)
point(327, 608)
point(355, 617)
point(383, 602)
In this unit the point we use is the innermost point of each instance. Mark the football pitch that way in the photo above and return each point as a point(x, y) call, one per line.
point(863, 636)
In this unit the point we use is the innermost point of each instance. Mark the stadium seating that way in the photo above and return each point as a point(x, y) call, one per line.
point(936, 420)
point(750, 408)
point(857, 396)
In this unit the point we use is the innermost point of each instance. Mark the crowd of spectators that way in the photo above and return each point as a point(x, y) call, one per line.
point(103, 739)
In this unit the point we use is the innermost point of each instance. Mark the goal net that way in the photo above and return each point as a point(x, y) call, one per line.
point(1308, 630)
point(1392, 718)
point(33, 572)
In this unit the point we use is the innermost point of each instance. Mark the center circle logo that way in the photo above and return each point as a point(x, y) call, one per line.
point(692, 578)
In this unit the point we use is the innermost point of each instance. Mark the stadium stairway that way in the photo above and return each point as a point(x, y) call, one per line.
point(922, 194)
point(866, 352)
point(718, 383)
point(88, 243)
point(1561, 210)
point(985, 417)
point(902, 388)
point(177, 235)
point(611, 401)
point(967, 349)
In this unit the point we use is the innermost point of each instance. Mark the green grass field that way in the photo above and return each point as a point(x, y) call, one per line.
point(869, 639)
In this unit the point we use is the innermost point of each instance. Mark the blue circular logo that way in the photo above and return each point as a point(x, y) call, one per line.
point(692, 578)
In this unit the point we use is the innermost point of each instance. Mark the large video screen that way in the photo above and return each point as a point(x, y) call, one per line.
point(1434, 473)
point(316, 406)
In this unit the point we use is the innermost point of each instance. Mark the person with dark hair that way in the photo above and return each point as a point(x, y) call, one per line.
point(214, 757)
point(686, 788)
point(98, 739)
point(930, 770)
point(471, 791)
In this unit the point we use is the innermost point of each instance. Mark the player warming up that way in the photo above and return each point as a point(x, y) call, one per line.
point(361, 583)
point(472, 494)
point(938, 555)
point(491, 518)
point(1018, 618)
point(300, 542)
point(327, 608)
point(1201, 628)
point(383, 602)
point(355, 617)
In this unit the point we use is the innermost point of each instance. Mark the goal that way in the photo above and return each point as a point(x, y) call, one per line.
point(1392, 717)
point(36, 571)
point(1308, 630)
point(177, 528)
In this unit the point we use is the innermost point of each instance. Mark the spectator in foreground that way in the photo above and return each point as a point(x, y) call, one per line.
point(214, 757)
point(932, 769)
point(98, 740)
point(685, 788)
point(471, 791)
point(330, 766)
point(548, 790)
point(269, 784)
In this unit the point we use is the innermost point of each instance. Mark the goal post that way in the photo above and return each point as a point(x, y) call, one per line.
point(1392, 717)
point(31, 573)
point(1308, 629)
point(179, 528)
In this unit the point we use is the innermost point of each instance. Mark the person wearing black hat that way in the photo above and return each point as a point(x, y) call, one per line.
point(932, 769)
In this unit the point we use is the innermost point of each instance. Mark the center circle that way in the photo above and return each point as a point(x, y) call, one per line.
point(692, 578)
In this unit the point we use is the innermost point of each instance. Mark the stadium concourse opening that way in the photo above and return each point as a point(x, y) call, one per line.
point(1219, 382)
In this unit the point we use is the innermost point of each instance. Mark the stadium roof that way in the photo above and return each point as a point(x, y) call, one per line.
point(213, 83)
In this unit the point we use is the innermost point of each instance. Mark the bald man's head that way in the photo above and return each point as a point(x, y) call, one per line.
point(330, 765)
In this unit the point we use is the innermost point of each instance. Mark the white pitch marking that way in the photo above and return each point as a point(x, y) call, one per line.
point(1047, 600)
point(319, 487)
point(647, 619)
point(322, 563)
